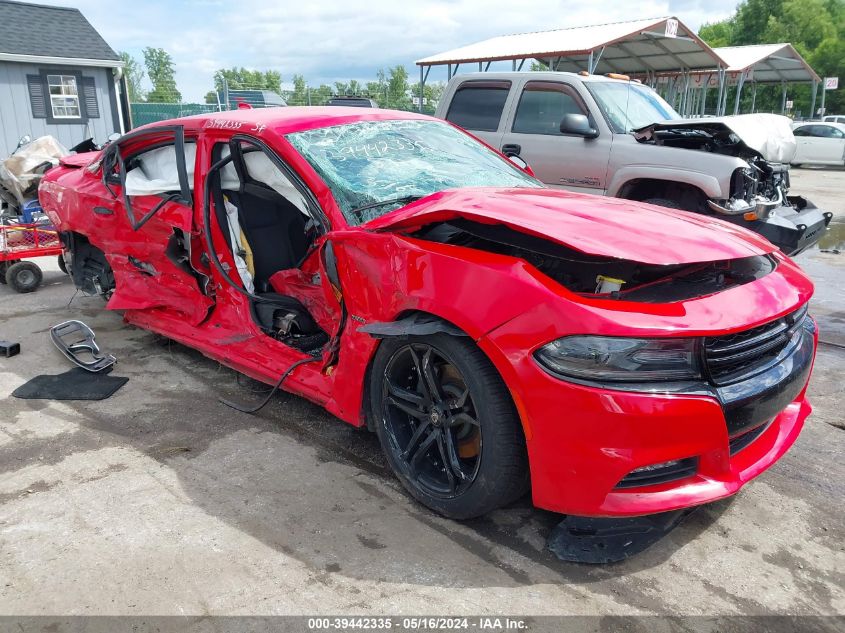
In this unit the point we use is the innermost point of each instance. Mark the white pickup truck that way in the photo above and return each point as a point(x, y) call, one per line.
point(616, 137)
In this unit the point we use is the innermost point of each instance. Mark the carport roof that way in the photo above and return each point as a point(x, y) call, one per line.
point(769, 63)
point(640, 46)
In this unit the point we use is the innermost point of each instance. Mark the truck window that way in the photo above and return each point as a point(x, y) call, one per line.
point(478, 105)
point(543, 105)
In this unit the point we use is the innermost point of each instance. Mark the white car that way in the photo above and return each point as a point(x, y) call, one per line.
point(820, 144)
point(834, 118)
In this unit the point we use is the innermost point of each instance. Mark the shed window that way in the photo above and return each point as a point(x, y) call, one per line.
point(64, 96)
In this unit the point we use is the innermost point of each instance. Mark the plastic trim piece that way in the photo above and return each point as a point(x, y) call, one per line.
point(74, 339)
point(414, 325)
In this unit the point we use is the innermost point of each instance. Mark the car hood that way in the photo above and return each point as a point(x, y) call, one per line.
point(595, 225)
point(769, 135)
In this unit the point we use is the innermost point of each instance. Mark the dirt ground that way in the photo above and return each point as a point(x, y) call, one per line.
point(162, 501)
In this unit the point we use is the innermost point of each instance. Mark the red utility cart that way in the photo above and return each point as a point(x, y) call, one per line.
point(26, 241)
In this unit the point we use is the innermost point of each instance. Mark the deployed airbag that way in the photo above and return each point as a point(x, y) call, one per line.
point(156, 171)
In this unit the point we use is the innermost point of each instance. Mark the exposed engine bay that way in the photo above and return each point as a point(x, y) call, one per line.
point(764, 141)
point(605, 277)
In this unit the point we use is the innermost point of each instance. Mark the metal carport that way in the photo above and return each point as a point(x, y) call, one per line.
point(768, 64)
point(648, 48)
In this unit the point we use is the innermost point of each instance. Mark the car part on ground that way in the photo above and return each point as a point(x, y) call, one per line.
point(76, 341)
point(374, 238)
point(615, 137)
point(74, 384)
point(9, 349)
point(595, 540)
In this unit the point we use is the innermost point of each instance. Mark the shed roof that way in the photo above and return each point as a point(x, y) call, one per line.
point(639, 46)
point(769, 63)
point(39, 30)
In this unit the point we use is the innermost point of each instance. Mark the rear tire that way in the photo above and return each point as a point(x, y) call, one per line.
point(24, 276)
point(461, 452)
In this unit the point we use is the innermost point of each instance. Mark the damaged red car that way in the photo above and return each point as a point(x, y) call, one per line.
point(613, 357)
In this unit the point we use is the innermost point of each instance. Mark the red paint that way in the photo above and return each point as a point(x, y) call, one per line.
point(581, 440)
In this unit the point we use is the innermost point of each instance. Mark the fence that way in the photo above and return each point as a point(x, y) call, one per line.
point(143, 113)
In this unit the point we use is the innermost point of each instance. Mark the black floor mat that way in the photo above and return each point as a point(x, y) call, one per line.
point(75, 384)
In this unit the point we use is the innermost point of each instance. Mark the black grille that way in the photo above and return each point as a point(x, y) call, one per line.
point(735, 356)
point(738, 442)
point(681, 469)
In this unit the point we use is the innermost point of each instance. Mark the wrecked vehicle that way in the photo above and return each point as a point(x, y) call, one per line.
point(497, 335)
point(616, 137)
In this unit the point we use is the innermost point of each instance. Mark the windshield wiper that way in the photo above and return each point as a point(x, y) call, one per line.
point(375, 205)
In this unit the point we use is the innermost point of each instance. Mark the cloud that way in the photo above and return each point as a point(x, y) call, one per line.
point(339, 40)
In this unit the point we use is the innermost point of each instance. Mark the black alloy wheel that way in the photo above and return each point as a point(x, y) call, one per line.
point(447, 425)
point(431, 420)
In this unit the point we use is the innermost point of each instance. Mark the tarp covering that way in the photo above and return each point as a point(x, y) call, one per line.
point(20, 172)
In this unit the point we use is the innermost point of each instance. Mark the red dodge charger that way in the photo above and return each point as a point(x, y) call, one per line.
point(613, 357)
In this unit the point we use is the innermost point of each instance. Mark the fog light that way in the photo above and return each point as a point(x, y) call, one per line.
point(645, 469)
point(660, 473)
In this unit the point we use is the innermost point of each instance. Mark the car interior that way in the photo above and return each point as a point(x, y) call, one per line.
point(266, 223)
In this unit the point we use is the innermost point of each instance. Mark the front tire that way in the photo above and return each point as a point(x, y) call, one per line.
point(447, 425)
point(24, 276)
point(664, 202)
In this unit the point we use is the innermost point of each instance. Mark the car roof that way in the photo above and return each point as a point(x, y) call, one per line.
point(284, 120)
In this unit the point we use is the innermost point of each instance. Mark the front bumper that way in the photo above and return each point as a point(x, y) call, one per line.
point(582, 440)
point(792, 228)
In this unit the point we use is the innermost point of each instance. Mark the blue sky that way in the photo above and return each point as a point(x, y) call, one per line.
point(331, 40)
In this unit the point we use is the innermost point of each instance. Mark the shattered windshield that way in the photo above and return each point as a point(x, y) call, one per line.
point(629, 106)
point(373, 167)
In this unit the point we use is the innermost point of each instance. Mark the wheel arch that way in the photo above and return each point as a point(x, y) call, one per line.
point(496, 360)
point(691, 196)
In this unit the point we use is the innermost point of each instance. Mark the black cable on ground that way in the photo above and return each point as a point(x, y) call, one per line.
point(263, 403)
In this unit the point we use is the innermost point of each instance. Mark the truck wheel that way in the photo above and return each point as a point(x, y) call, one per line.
point(447, 425)
point(664, 202)
point(24, 276)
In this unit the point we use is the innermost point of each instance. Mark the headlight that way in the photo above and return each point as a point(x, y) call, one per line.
point(612, 359)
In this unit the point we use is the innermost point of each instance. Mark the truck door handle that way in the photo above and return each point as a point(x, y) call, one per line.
point(511, 149)
point(103, 211)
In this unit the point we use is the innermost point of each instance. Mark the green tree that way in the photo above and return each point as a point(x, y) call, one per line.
point(816, 28)
point(398, 89)
point(160, 70)
point(431, 92)
point(299, 96)
point(377, 89)
point(246, 79)
point(751, 20)
point(134, 74)
point(718, 33)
